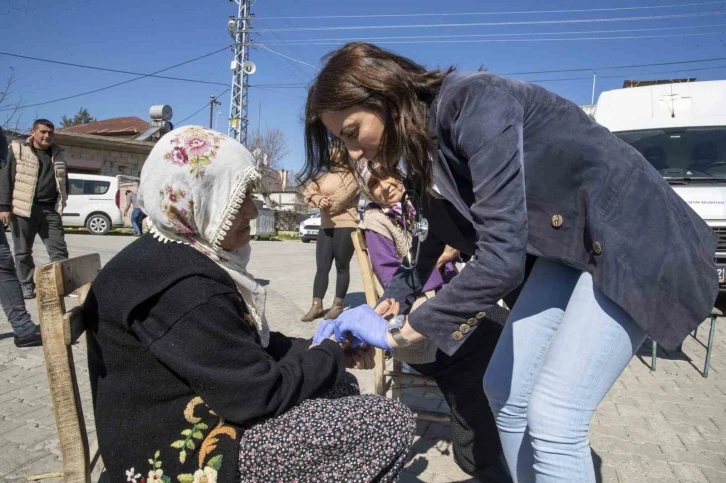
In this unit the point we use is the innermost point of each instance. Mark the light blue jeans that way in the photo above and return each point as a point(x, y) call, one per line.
point(562, 348)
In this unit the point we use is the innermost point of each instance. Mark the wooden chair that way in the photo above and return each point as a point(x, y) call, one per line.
point(60, 329)
point(384, 379)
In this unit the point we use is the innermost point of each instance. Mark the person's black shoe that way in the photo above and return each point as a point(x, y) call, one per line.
point(31, 340)
point(28, 291)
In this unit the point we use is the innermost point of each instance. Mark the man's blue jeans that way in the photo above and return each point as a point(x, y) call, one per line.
point(137, 218)
point(561, 350)
point(11, 295)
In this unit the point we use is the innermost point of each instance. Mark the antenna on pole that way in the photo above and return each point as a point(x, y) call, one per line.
point(239, 28)
point(212, 102)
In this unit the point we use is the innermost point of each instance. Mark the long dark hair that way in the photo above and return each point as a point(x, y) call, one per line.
point(394, 87)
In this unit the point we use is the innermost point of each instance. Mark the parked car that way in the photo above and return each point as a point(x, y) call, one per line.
point(309, 228)
point(94, 202)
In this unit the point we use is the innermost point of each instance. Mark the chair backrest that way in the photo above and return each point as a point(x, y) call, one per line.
point(60, 329)
point(366, 268)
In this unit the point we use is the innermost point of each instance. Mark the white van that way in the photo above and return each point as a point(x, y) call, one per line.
point(680, 128)
point(95, 202)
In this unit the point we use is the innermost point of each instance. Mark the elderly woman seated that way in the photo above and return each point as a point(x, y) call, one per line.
point(477, 448)
point(189, 384)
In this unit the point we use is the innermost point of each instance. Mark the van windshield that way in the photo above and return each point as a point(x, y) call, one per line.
point(690, 154)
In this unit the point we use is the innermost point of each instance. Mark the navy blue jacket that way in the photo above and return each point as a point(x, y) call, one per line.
point(523, 170)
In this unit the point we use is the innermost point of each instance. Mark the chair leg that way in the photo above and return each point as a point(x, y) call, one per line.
point(396, 386)
point(379, 379)
point(707, 365)
point(653, 357)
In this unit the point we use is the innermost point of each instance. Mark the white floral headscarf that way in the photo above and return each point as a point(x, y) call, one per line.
point(192, 185)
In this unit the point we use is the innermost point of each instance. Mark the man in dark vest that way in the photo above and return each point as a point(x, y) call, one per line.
point(27, 334)
point(34, 190)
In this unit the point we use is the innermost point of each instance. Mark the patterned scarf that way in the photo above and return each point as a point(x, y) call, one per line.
point(192, 186)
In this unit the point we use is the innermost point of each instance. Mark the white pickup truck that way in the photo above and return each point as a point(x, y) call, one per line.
point(680, 128)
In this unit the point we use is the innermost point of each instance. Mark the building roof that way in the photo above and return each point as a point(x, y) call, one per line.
point(118, 126)
point(108, 143)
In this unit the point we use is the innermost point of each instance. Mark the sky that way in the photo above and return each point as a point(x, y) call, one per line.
point(517, 37)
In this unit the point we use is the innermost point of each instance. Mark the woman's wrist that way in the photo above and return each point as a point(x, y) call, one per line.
point(391, 341)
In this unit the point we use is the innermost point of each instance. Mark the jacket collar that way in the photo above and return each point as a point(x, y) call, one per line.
point(443, 178)
point(54, 148)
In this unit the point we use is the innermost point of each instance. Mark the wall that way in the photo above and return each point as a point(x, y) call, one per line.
point(104, 162)
point(108, 156)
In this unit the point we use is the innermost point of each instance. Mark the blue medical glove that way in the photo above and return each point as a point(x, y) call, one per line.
point(325, 330)
point(365, 325)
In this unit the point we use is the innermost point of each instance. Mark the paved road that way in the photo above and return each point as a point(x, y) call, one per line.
point(667, 426)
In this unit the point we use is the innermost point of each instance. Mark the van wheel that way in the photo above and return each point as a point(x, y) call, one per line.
point(98, 225)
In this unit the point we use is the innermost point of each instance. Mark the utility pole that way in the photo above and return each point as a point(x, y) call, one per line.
point(239, 28)
point(212, 102)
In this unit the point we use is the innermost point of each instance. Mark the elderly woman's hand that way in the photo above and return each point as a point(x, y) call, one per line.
point(448, 255)
point(359, 358)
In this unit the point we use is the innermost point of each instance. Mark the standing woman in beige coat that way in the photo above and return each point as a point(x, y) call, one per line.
point(336, 193)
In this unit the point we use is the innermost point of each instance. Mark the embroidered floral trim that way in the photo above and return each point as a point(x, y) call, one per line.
point(208, 468)
point(245, 185)
point(178, 207)
point(194, 147)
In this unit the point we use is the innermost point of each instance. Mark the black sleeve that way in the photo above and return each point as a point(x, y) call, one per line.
point(216, 351)
point(7, 178)
point(484, 125)
point(282, 346)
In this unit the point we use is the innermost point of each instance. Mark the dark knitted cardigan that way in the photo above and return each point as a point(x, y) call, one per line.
point(177, 369)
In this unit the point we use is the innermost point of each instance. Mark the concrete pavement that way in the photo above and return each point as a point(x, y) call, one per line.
point(666, 426)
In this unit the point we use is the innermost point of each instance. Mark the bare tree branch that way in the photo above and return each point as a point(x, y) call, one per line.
point(12, 116)
point(269, 148)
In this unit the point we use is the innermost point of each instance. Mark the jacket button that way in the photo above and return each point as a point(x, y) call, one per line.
point(464, 328)
point(597, 248)
point(557, 221)
point(480, 315)
point(472, 322)
point(457, 336)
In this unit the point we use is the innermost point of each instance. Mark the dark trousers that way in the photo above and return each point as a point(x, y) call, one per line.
point(47, 223)
point(333, 244)
point(11, 296)
point(137, 218)
point(477, 448)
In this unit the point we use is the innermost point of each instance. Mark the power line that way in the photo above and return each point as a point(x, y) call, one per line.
point(290, 67)
point(119, 83)
point(491, 24)
point(589, 78)
point(278, 92)
point(520, 12)
point(272, 87)
point(92, 67)
point(300, 56)
point(519, 34)
point(295, 72)
point(206, 104)
point(542, 39)
point(285, 56)
point(559, 71)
